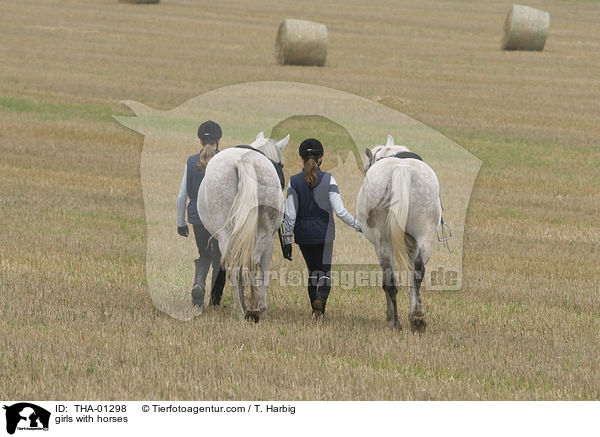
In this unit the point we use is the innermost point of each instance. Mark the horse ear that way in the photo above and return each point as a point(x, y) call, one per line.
point(260, 136)
point(282, 143)
point(390, 141)
point(369, 153)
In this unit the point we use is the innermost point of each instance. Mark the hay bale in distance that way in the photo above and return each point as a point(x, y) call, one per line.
point(140, 2)
point(301, 42)
point(525, 28)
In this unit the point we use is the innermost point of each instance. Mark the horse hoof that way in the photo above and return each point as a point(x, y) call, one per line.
point(418, 324)
point(253, 315)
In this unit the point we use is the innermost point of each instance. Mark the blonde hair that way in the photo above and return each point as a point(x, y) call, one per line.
point(310, 171)
point(206, 155)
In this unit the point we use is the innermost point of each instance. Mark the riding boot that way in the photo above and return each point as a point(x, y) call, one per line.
point(322, 293)
point(218, 283)
point(312, 290)
point(199, 281)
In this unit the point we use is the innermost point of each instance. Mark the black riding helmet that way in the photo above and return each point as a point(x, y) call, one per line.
point(209, 132)
point(310, 146)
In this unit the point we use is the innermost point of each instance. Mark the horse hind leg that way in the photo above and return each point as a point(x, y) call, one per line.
point(253, 312)
point(265, 276)
point(237, 282)
point(390, 287)
point(416, 315)
point(389, 312)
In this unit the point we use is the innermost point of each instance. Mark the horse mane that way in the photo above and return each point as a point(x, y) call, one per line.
point(380, 152)
point(270, 149)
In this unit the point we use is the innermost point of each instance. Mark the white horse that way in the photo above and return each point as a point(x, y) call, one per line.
point(240, 202)
point(399, 211)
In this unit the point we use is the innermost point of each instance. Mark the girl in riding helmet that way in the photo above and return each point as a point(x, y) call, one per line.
point(312, 198)
point(209, 134)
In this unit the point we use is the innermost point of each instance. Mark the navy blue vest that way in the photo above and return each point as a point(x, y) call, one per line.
point(314, 216)
point(194, 178)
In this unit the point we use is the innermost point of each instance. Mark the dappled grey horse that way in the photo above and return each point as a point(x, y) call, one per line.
point(399, 211)
point(240, 202)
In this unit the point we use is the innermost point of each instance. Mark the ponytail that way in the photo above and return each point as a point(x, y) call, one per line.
point(310, 171)
point(207, 153)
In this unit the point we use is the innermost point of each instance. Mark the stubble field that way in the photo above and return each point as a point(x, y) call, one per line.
point(76, 320)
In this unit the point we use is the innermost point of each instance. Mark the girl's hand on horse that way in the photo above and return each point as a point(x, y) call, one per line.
point(183, 231)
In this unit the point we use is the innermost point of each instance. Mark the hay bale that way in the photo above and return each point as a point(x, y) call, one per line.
point(525, 28)
point(140, 2)
point(301, 42)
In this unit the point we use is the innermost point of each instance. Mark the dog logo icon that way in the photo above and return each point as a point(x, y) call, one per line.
point(26, 416)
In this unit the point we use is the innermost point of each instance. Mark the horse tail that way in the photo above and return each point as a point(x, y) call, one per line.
point(242, 220)
point(395, 224)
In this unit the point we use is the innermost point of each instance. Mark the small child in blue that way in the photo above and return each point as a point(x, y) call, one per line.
point(312, 198)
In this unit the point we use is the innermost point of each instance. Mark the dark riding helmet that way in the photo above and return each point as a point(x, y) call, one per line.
point(209, 132)
point(310, 146)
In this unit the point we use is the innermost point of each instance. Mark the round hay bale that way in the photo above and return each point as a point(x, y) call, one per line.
point(301, 42)
point(140, 2)
point(525, 28)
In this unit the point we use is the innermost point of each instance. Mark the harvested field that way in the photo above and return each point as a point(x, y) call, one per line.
point(75, 315)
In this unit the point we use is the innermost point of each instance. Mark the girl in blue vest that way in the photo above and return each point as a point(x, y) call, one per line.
point(312, 198)
point(209, 133)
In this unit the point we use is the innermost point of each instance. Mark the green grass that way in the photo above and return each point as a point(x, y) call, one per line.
point(335, 139)
point(51, 111)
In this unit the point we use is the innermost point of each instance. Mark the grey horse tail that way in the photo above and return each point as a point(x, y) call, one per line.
point(395, 224)
point(243, 220)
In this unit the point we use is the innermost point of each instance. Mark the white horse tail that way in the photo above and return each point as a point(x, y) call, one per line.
point(243, 220)
point(395, 223)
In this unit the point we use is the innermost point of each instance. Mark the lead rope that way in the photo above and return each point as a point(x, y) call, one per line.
point(443, 226)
